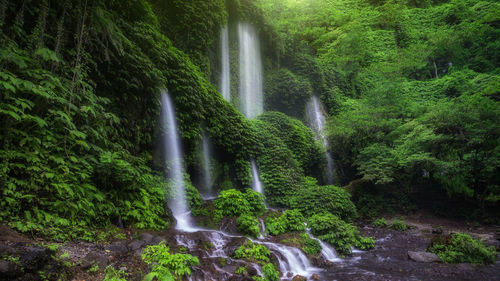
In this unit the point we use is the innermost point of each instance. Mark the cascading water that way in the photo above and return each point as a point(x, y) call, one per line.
point(206, 163)
point(225, 80)
point(251, 97)
point(256, 183)
point(295, 261)
point(327, 251)
point(316, 120)
point(178, 203)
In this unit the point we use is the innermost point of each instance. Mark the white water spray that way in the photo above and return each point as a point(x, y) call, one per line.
point(251, 97)
point(225, 80)
point(316, 120)
point(178, 203)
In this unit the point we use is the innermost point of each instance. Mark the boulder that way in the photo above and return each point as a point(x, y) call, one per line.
point(94, 258)
point(119, 247)
point(146, 237)
point(299, 278)
point(135, 245)
point(423, 256)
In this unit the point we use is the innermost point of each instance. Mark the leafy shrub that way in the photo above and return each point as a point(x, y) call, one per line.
point(242, 270)
point(253, 252)
point(338, 233)
point(248, 225)
point(398, 224)
point(462, 248)
point(233, 203)
point(270, 272)
point(380, 223)
point(290, 220)
point(166, 265)
point(313, 199)
point(311, 246)
point(113, 274)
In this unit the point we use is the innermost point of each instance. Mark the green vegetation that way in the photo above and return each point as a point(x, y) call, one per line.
point(248, 225)
point(290, 220)
point(338, 233)
point(462, 248)
point(380, 223)
point(113, 274)
point(252, 252)
point(270, 272)
point(313, 199)
point(232, 202)
point(167, 266)
point(398, 224)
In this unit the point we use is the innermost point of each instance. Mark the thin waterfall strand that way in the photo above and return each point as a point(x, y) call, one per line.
point(225, 80)
point(256, 183)
point(251, 97)
point(178, 204)
point(316, 120)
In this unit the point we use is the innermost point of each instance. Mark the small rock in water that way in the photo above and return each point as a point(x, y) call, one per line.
point(423, 256)
point(123, 268)
point(437, 230)
point(299, 278)
point(315, 277)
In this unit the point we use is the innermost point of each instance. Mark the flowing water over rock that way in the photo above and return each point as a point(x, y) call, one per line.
point(251, 97)
point(173, 152)
point(225, 80)
point(316, 120)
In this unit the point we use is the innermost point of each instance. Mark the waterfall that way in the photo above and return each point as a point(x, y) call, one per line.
point(225, 80)
point(178, 203)
point(251, 97)
point(256, 183)
point(206, 163)
point(316, 120)
point(327, 251)
point(295, 261)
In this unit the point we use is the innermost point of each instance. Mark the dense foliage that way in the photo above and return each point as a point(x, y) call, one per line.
point(167, 266)
point(253, 252)
point(462, 248)
point(338, 233)
point(290, 220)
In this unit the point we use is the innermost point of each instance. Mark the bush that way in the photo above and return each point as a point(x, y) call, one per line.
point(233, 203)
point(253, 252)
point(462, 248)
point(270, 272)
point(338, 233)
point(311, 246)
point(313, 199)
point(248, 225)
point(380, 223)
point(167, 266)
point(290, 220)
point(399, 225)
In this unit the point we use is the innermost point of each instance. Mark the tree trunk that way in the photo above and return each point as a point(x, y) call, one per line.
point(79, 49)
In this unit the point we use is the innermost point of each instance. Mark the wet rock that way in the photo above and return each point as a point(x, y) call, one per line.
point(315, 277)
point(146, 237)
point(35, 257)
point(437, 230)
point(6, 250)
point(135, 245)
point(299, 278)
point(233, 244)
point(119, 247)
point(423, 256)
point(8, 268)
point(94, 258)
point(157, 240)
